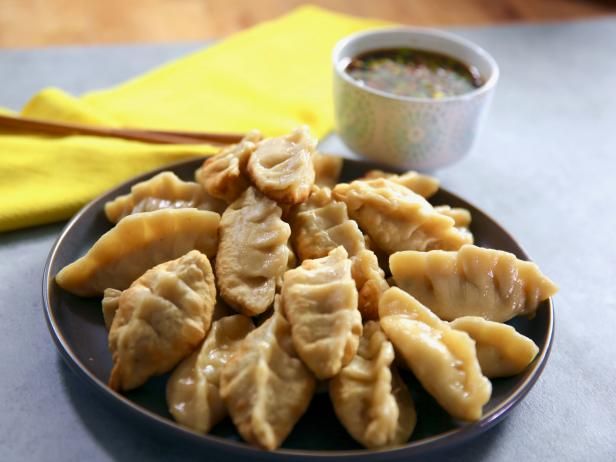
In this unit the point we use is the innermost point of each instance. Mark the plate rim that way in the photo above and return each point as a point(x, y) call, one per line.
point(441, 441)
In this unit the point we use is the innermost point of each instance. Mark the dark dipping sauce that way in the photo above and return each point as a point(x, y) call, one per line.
point(415, 73)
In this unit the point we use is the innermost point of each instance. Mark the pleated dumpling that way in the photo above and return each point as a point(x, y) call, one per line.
point(253, 252)
point(370, 399)
point(320, 225)
point(160, 319)
point(472, 282)
point(282, 168)
point(163, 191)
point(424, 185)
point(137, 243)
point(193, 390)
point(224, 174)
point(319, 299)
point(397, 219)
point(265, 386)
point(327, 169)
point(443, 359)
point(502, 351)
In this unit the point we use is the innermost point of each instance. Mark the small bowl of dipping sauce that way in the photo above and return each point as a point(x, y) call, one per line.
point(411, 98)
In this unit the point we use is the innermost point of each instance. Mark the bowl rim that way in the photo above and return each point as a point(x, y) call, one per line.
point(410, 31)
point(416, 448)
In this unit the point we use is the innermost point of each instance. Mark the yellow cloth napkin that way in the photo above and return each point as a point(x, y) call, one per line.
point(274, 77)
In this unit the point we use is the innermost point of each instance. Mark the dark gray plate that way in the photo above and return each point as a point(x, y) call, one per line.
point(76, 325)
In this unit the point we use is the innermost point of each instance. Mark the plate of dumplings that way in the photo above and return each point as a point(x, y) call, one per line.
point(273, 301)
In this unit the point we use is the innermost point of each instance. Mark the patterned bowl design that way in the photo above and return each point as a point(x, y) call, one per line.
point(411, 133)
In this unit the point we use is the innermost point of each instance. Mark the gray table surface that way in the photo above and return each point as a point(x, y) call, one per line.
point(544, 168)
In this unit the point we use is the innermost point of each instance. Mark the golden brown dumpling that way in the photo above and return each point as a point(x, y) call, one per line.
point(424, 185)
point(265, 386)
point(369, 398)
point(319, 299)
point(193, 390)
point(443, 359)
point(252, 254)
point(161, 318)
point(501, 350)
point(397, 219)
point(472, 282)
point(224, 174)
point(137, 243)
point(320, 225)
point(163, 191)
point(327, 169)
point(282, 169)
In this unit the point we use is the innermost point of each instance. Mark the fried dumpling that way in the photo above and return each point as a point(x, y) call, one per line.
point(369, 398)
point(252, 253)
point(320, 225)
point(319, 299)
point(137, 243)
point(163, 191)
point(472, 282)
point(443, 359)
point(424, 185)
point(161, 318)
point(397, 219)
point(502, 351)
point(224, 174)
point(265, 386)
point(193, 390)
point(282, 169)
point(327, 169)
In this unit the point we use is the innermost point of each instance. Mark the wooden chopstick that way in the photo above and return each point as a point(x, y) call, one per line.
point(149, 136)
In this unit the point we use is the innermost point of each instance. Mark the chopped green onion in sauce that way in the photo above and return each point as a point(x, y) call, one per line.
point(414, 73)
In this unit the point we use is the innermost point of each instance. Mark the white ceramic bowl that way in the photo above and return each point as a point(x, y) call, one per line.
point(407, 132)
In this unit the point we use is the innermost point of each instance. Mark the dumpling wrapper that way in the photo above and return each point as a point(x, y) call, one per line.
point(291, 263)
point(282, 168)
point(161, 318)
point(319, 299)
point(110, 303)
point(502, 351)
point(162, 191)
point(370, 399)
point(397, 219)
point(193, 390)
point(223, 175)
point(252, 254)
point(137, 243)
point(265, 386)
point(461, 216)
point(370, 281)
point(327, 169)
point(320, 225)
point(424, 185)
point(443, 359)
point(472, 282)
